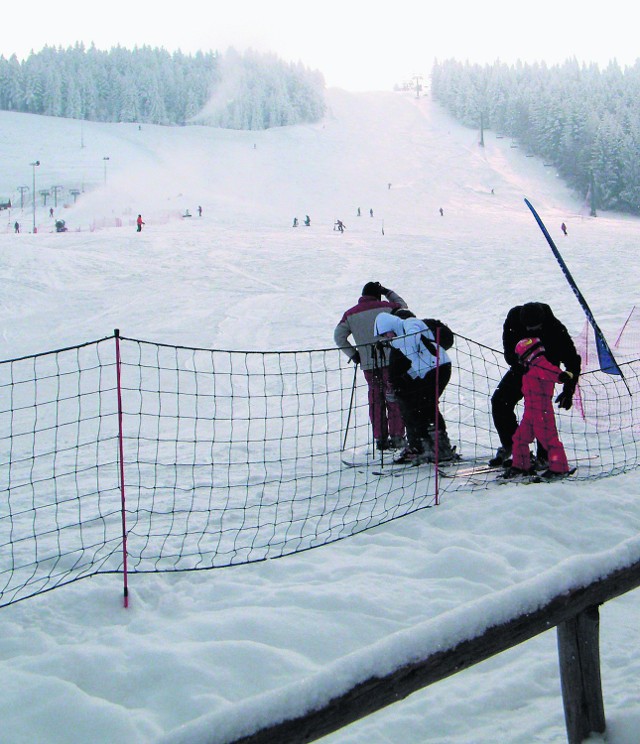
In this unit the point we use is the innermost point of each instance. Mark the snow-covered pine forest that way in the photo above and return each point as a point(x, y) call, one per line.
point(578, 119)
point(150, 85)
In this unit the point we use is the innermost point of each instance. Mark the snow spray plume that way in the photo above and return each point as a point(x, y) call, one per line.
point(606, 359)
point(223, 108)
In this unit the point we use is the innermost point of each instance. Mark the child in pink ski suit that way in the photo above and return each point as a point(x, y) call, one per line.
point(538, 421)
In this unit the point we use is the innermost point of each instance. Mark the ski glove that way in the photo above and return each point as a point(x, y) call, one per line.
point(565, 399)
point(355, 358)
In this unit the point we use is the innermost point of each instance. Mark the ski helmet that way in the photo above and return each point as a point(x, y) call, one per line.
point(529, 349)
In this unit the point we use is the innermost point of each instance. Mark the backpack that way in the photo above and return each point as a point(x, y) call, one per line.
point(446, 334)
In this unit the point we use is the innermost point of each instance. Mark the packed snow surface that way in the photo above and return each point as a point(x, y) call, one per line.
point(200, 656)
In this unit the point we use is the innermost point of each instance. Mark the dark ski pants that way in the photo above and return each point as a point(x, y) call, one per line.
point(503, 406)
point(418, 399)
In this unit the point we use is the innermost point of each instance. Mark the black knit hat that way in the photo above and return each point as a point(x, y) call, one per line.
point(372, 289)
point(532, 315)
point(403, 312)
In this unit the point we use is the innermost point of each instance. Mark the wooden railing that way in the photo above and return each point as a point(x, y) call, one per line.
point(575, 614)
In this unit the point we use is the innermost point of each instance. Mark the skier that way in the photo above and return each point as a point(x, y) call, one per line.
point(533, 319)
point(139, 223)
point(419, 371)
point(199, 211)
point(538, 421)
point(340, 226)
point(16, 226)
point(307, 220)
point(441, 212)
point(371, 213)
point(295, 222)
point(358, 211)
point(358, 321)
point(563, 227)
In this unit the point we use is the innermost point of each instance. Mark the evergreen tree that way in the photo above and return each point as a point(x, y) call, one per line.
point(583, 120)
point(151, 85)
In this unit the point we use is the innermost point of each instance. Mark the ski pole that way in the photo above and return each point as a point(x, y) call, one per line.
point(378, 352)
point(353, 390)
point(437, 422)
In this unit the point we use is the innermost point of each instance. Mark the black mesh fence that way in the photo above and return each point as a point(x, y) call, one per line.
point(231, 457)
point(59, 492)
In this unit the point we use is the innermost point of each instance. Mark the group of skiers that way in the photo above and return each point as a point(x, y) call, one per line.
point(407, 368)
point(337, 225)
point(307, 221)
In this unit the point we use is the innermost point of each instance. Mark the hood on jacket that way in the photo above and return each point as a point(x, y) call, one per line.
point(386, 322)
point(408, 341)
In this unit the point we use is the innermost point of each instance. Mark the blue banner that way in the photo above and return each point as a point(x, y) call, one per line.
point(605, 355)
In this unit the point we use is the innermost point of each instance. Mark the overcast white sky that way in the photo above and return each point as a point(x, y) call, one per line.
point(358, 45)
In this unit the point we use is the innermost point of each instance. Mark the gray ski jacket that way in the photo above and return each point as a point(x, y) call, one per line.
point(358, 321)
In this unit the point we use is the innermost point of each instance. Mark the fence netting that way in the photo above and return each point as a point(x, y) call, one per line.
point(232, 457)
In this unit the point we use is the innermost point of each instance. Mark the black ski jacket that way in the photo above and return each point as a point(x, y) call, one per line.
point(558, 344)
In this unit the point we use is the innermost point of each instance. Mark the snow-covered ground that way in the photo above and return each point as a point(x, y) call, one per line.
point(77, 667)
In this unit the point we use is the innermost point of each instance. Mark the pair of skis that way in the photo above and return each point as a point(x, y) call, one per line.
point(396, 468)
point(500, 476)
point(485, 474)
point(473, 469)
point(364, 460)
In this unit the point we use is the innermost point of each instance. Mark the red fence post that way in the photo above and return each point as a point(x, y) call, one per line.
point(437, 427)
point(116, 334)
